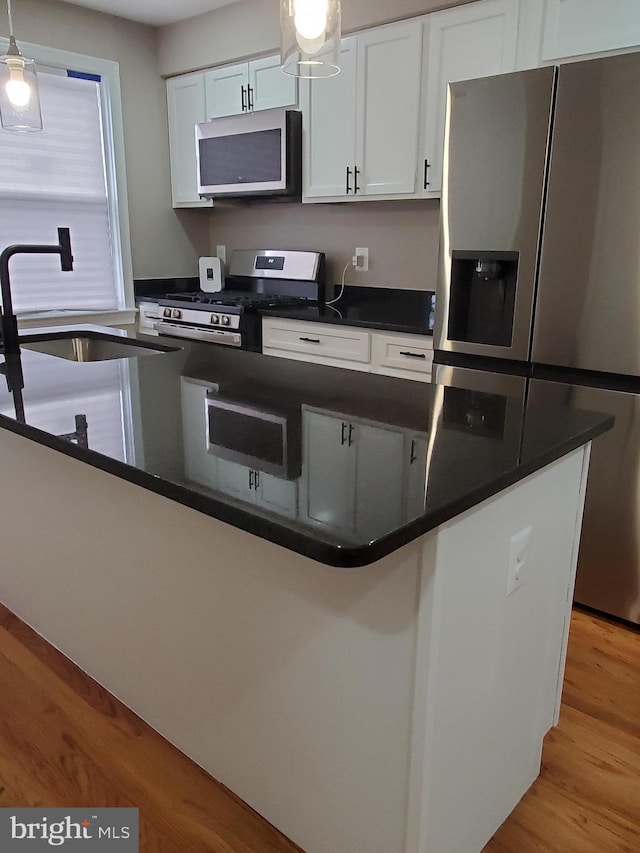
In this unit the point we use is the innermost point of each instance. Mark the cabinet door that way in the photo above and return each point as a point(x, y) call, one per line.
point(326, 489)
point(415, 467)
point(329, 129)
point(270, 86)
point(578, 27)
point(226, 90)
point(236, 480)
point(199, 465)
point(477, 40)
point(185, 108)
point(379, 478)
point(388, 109)
point(279, 496)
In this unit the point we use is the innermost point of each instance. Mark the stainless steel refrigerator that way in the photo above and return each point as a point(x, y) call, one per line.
point(539, 272)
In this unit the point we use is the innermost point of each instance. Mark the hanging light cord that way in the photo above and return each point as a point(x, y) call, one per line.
point(10, 17)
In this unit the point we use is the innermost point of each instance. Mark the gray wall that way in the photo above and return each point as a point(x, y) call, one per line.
point(163, 243)
point(401, 236)
point(252, 27)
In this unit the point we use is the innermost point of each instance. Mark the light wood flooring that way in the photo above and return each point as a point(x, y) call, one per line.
point(64, 741)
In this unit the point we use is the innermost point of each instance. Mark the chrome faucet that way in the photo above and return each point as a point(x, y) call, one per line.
point(9, 338)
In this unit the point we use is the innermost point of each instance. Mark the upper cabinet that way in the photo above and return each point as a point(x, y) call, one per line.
point(475, 40)
point(247, 87)
point(186, 108)
point(361, 126)
point(555, 30)
point(376, 130)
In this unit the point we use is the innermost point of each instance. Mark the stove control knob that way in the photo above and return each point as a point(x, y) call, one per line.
point(215, 319)
point(167, 312)
point(225, 320)
point(176, 314)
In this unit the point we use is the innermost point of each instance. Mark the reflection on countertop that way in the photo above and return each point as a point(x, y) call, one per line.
point(343, 467)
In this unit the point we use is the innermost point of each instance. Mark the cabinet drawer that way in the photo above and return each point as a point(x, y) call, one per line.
point(315, 339)
point(405, 353)
point(148, 317)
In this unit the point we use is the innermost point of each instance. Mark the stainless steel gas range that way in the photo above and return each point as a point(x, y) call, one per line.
point(257, 280)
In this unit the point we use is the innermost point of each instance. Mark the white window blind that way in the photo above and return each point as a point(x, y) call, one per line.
point(97, 394)
point(56, 178)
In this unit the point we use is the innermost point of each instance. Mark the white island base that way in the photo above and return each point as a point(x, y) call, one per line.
point(395, 708)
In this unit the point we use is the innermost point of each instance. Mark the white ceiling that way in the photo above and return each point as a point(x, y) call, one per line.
point(156, 12)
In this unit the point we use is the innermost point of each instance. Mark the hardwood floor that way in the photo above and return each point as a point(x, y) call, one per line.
point(64, 741)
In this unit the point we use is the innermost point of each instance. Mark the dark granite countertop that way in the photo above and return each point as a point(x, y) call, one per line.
point(425, 453)
point(383, 308)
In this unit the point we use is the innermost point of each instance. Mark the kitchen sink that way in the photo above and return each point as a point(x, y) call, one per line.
point(90, 346)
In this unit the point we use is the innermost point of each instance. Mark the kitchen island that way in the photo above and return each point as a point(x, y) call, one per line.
point(394, 706)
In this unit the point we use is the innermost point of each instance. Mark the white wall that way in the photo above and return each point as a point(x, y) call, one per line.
point(163, 243)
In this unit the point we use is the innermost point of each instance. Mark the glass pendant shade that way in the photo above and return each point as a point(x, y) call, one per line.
point(310, 37)
point(19, 96)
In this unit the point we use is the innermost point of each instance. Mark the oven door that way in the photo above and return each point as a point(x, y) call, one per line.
point(261, 438)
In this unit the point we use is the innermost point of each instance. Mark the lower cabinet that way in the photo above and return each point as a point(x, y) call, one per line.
point(207, 469)
point(415, 466)
point(199, 465)
point(404, 356)
point(257, 488)
point(358, 477)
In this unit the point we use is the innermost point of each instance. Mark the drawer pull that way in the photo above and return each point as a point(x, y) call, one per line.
point(414, 354)
point(310, 340)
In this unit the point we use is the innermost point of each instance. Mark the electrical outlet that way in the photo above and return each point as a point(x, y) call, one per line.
point(221, 252)
point(361, 260)
point(518, 560)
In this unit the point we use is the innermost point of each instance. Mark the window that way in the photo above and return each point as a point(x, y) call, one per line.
point(67, 175)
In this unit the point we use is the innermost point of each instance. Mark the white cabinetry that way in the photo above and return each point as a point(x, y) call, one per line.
point(321, 343)
point(475, 40)
point(185, 108)
point(347, 465)
point(397, 354)
point(247, 87)
point(555, 30)
point(360, 478)
point(147, 317)
point(405, 356)
point(574, 27)
point(256, 487)
point(199, 465)
point(361, 127)
point(207, 469)
point(415, 466)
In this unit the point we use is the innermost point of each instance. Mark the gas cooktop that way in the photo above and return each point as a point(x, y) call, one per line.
point(237, 297)
point(266, 278)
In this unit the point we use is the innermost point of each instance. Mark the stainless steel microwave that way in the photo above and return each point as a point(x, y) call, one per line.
point(259, 154)
point(261, 437)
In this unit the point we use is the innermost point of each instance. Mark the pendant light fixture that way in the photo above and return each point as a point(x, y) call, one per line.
point(19, 97)
point(310, 37)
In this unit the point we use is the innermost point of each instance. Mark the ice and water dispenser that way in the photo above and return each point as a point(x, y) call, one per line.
point(482, 297)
